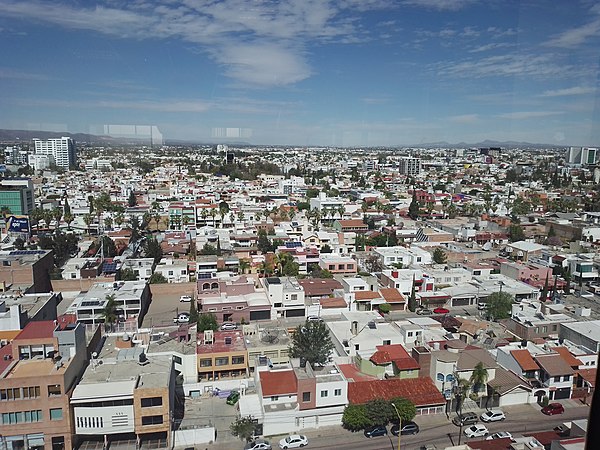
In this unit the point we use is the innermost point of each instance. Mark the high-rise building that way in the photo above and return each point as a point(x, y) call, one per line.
point(61, 149)
point(409, 166)
point(16, 194)
point(582, 156)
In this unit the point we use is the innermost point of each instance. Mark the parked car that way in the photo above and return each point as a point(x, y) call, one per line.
point(553, 408)
point(407, 428)
point(228, 326)
point(182, 318)
point(481, 306)
point(259, 444)
point(441, 311)
point(465, 419)
point(376, 431)
point(499, 435)
point(493, 415)
point(185, 298)
point(233, 397)
point(314, 319)
point(424, 312)
point(478, 430)
point(293, 441)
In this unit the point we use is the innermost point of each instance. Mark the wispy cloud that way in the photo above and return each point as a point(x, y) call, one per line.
point(440, 5)
point(516, 115)
point(375, 100)
point(464, 118)
point(576, 36)
point(491, 46)
point(262, 43)
point(577, 90)
point(9, 73)
point(165, 106)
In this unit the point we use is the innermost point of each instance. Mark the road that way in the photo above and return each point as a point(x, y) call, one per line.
point(527, 419)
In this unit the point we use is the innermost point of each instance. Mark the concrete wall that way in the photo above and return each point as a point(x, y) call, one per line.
point(189, 438)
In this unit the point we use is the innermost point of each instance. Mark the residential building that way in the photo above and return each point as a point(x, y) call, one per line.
point(39, 371)
point(124, 394)
point(173, 270)
point(286, 295)
point(585, 334)
point(387, 362)
point(409, 166)
point(337, 264)
point(28, 269)
point(221, 355)
point(582, 156)
point(403, 256)
point(61, 149)
point(16, 194)
point(556, 375)
point(141, 267)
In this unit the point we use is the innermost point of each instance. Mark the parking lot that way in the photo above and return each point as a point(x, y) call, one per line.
point(166, 305)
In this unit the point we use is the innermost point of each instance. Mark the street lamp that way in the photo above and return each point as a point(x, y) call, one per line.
point(399, 424)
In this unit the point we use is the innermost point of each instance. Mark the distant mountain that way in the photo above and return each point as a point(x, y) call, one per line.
point(28, 135)
point(487, 143)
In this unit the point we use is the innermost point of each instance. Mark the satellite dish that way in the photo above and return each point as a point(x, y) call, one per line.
point(95, 354)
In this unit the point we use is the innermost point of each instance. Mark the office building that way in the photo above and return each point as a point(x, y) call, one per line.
point(16, 194)
point(582, 156)
point(61, 149)
point(409, 166)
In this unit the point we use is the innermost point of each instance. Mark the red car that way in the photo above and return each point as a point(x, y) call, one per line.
point(441, 311)
point(553, 408)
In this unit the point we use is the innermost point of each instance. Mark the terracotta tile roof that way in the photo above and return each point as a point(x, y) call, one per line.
point(545, 437)
point(397, 354)
point(353, 223)
point(392, 295)
point(278, 382)
point(421, 391)
point(37, 330)
point(588, 375)
point(554, 365)
point(505, 381)
point(353, 374)
point(492, 444)
point(335, 302)
point(366, 295)
point(567, 356)
point(525, 360)
point(319, 286)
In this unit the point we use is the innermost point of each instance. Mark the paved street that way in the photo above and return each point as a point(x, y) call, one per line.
point(436, 430)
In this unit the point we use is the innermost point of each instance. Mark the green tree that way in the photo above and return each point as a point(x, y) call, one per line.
point(244, 428)
point(414, 207)
point(207, 321)
point(19, 244)
point(264, 244)
point(108, 247)
point(384, 308)
point(243, 266)
point(109, 312)
point(355, 418)
point(479, 377)
point(127, 274)
point(326, 249)
point(193, 312)
point(157, 278)
point(499, 306)
point(131, 200)
point(311, 343)
point(462, 391)
point(412, 300)
point(515, 233)
point(406, 409)
point(68, 219)
point(152, 250)
point(439, 256)
point(380, 412)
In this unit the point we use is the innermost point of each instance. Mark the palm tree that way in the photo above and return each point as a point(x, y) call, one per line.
point(109, 312)
point(108, 222)
point(478, 377)
point(243, 265)
point(156, 218)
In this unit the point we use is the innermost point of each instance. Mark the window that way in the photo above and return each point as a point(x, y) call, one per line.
point(294, 297)
point(544, 329)
point(274, 398)
point(337, 392)
point(410, 333)
point(306, 396)
point(477, 272)
point(206, 362)
point(341, 267)
point(357, 347)
point(54, 390)
point(387, 342)
point(10, 394)
point(31, 392)
point(56, 414)
point(350, 267)
point(566, 377)
point(331, 267)
point(176, 359)
point(222, 361)
point(557, 379)
point(151, 401)
point(324, 394)
point(152, 420)
point(237, 360)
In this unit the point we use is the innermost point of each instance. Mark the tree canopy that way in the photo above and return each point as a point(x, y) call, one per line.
point(439, 256)
point(311, 343)
point(243, 427)
point(207, 321)
point(499, 306)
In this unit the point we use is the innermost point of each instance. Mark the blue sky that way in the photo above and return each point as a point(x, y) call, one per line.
point(306, 72)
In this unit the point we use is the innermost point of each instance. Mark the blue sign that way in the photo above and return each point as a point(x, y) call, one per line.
point(18, 224)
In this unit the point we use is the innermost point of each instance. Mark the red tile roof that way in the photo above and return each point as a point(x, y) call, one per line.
point(524, 359)
point(366, 295)
point(396, 354)
point(278, 382)
point(392, 295)
point(335, 302)
point(588, 375)
point(421, 391)
point(353, 374)
point(37, 330)
point(567, 356)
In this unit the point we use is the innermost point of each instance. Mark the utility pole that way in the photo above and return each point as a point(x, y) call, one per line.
point(399, 424)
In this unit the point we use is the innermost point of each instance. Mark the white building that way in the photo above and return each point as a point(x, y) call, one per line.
point(403, 255)
point(62, 149)
point(286, 295)
point(174, 270)
point(409, 166)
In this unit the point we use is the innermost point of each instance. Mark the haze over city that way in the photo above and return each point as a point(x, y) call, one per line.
point(343, 73)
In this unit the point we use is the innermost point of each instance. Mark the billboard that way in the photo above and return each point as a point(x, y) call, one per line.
point(18, 224)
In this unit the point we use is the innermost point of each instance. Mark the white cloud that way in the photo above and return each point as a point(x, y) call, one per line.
point(375, 100)
point(440, 5)
point(488, 47)
point(528, 114)
point(8, 73)
point(464, 118)
point(577, 90)
point(576, 36)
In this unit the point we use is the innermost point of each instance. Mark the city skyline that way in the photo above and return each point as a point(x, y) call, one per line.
point(343, 73)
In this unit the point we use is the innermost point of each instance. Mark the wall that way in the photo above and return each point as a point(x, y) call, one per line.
point(189, 438)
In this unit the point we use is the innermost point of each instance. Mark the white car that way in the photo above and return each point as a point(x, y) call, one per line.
point(499, 435)
point(477, 430)
point(185, 298)
point(182, 318)
point(314, 319)
point(227, 326)
point(293, 441)
point(493, 415)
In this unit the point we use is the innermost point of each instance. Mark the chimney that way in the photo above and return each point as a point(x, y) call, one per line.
point(423, 356)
